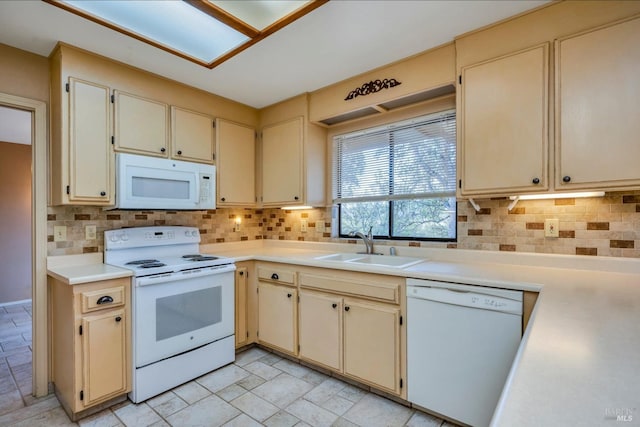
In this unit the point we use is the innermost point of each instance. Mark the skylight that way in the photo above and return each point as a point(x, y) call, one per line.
point(207, 32)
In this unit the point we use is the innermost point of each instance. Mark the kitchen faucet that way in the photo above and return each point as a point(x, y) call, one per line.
point(368, 239)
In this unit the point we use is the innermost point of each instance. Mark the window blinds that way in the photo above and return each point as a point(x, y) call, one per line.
point(413, 159)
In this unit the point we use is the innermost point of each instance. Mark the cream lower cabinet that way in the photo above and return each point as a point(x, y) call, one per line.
point(277, 309)
point(352, 323)
point(320, 329)
point(372, 343)
point(241, 312)
point(91, 352)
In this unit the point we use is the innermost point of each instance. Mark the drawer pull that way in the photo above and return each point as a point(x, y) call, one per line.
point(274, 276)
point(118, 319)
point(334, 305)
point(289, 295)
point(104, 300)
point(347, 308)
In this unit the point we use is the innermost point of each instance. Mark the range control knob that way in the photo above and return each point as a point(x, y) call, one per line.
point(194, 233)
point(113, 238)
point(186, 233)
point(124, 237)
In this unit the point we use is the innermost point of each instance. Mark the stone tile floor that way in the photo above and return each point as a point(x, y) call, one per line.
point(260, 388)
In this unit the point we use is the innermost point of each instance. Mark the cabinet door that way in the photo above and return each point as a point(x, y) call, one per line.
point(597, 104)
point(282, 163)
point(191, 136)
point(277, 316)
point(141, 125)
point(104, 367)
point(90, 156)
point(503, 124)
point(235, 160)
point(372, 344)
point(320, 329)
point(241, 330)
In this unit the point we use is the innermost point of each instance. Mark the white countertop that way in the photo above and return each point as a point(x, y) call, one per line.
point(579, 359)
point(78, 269)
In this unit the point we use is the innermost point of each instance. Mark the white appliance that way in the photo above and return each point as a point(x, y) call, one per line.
point(144, 182)
point(183, 306)
point(461, 342)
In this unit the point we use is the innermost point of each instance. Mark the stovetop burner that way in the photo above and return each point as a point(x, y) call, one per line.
point(142, 261)
point(199, 257)
point(152, 265)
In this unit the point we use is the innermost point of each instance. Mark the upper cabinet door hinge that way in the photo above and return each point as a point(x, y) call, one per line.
point(66, 86)
point(81, 394)
point(68, 190)
point(401, 320)
point(213, 156)
point(460, 79)
point(113, 140)
point(401, 383)
point(80, 329)
point(113, 99)
point(459, 183)
point(213, 123)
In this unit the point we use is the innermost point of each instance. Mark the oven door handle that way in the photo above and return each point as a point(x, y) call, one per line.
point(187, 274)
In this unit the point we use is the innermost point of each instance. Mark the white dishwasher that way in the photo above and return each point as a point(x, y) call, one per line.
point(461, 342)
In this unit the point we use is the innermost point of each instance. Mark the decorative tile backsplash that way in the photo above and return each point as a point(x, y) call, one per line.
point(605, 226)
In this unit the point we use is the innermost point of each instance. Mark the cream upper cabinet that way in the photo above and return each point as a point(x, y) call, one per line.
point(372, 344)
point(282, 149)
point(141, 125)
point(597, 105)
point(235, 160)
point(320, 329)
point(503, 124)
point(90, 162)
point(192, 136)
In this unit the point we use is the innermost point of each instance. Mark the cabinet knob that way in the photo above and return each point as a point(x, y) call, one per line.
point(536, 180)
point(241, 273)
point(566, 178)
point(289, 295)
point(104, 300)
point(179, 152)
point(118, 319)
point(223, 199)
point(334, 305)
point(103, 193)
point(162, 150)
point(296, 198)
point(347, 308)
point(274, 276)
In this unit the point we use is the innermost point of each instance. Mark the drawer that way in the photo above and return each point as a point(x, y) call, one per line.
point(389, 292)
point(277, 274)
point(102, 298)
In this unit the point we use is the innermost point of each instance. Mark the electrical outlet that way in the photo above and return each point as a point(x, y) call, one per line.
point(320, 226)
point(303, 225)
point(59, 233)
point(551, 227)
point(90, 232)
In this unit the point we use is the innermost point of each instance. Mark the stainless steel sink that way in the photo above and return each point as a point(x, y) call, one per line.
point(378, 260)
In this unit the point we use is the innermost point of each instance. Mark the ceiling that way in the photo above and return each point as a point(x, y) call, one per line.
point(338, 40)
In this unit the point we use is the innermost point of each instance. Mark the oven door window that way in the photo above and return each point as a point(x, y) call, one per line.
point(182, 313)
point(177, 316)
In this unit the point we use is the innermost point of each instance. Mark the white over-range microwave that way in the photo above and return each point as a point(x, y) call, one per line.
point(144, 182)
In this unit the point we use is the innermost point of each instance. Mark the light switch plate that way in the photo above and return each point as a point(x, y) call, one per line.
point(90, 232)
point(59, 233)
point(551, 227)
point(303, 225)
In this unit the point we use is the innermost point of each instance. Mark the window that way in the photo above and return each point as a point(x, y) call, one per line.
point(399, 179)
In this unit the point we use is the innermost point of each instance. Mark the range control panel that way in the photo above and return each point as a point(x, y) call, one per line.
point(150, 236)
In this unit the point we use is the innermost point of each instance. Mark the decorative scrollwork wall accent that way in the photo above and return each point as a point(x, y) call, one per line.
point(372, 87)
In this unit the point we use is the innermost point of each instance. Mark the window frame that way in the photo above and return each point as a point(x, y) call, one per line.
point(390, 209)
